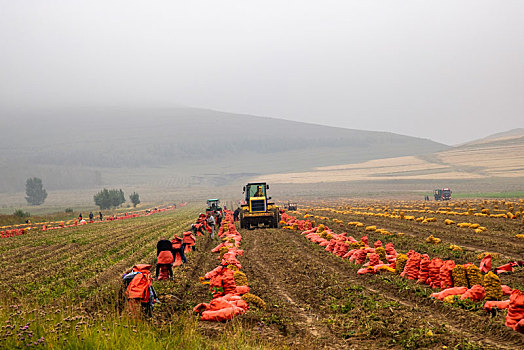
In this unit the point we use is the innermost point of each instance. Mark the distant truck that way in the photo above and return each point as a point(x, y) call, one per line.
point(443, 194)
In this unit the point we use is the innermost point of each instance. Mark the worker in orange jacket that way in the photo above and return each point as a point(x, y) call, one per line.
point(178, 250)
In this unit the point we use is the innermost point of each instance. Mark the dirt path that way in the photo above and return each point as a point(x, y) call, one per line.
point(305, 321)
point(315, 286)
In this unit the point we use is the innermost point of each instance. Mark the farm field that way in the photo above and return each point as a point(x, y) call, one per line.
point(497, 159)
point(60, 289)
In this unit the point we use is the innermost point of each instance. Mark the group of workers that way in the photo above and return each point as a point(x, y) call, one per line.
point(169, 253)
point(91, 216)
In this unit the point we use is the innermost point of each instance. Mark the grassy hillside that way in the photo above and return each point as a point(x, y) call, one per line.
point(90, 148)
point(497, 161)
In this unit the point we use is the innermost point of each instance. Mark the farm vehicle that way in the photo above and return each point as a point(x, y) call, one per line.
point(290, 206)
point(213, 205)
point(256, 208)
point(443, 194)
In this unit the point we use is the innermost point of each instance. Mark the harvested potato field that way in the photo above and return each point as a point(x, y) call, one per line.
point(62, 288)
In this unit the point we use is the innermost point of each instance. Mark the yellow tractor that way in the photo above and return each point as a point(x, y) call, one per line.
point(256, 209)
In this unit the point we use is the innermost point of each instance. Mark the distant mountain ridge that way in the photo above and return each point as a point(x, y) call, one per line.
point(506, 136)
point(509, 133)
point(97, 144)
point(497, 159)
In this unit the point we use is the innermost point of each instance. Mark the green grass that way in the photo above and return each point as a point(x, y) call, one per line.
point(50, 307)
point(57, 328)
point(513, 194)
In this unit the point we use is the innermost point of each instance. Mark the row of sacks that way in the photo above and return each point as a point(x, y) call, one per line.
point(514, 304)
point(12, 233)
point(226, 282)
point(446, 275)
point(48, 226)
point(292, 223)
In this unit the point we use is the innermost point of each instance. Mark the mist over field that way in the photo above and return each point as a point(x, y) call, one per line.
point(299, 174)
point(171, 96)
point(82, 148)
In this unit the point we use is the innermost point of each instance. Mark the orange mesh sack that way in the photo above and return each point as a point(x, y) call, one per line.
point(434, 272)
point(475, 293)
point(423, 272)
point(446, 279)
point(412, 267)
point(515, 309)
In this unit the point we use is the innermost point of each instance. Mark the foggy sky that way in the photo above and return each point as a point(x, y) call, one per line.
point(451, 71)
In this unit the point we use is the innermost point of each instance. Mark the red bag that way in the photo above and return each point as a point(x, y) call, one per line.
point(485, 264)
point(434, 273)
point(349, 254)
point(423, 272)
point(139, 286)
point(188, 238)
point(365, 270)
point(475, 293)
point(219, 303)
point(228, 282)
point(504, 268)
point(176, 242)
point(242, 290)
point(342, 249)
point(331, 245)
point(446, 278)
point(515, 309)
point(165, 257)
point(390, 250)
point(222, 314)
point(506, 290)
point(448, 292)
point(360, 257)
point(412, 266)
point(374, 259)
point(488, 305)
point(163, 273)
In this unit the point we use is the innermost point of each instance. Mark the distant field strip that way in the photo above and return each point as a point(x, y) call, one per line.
point(483, 161)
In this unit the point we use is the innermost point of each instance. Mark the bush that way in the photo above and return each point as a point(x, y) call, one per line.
point(106, 199)
point(21, 214)
point(34, 189)
point(69, 210)
point(135, 199)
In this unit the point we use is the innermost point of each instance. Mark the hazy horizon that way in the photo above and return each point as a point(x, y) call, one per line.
point(447, 71)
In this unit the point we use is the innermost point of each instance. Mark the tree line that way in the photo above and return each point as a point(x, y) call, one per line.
point(105, 199)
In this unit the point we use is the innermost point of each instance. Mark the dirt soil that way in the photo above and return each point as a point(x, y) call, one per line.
point(328, 305)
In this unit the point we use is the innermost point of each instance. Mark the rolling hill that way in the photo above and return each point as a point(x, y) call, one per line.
point(494, 160)
point(183, 147)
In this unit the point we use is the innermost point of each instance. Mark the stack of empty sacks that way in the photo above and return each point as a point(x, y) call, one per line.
point(226, 294)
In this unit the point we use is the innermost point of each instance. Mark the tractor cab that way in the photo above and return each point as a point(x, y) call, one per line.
point(256, 192)
point(213, 205)
point(256, 209)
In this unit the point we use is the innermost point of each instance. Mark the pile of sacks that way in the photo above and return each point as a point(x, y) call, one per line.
point(292, 223)
point(465, 281)
point(226, 282)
